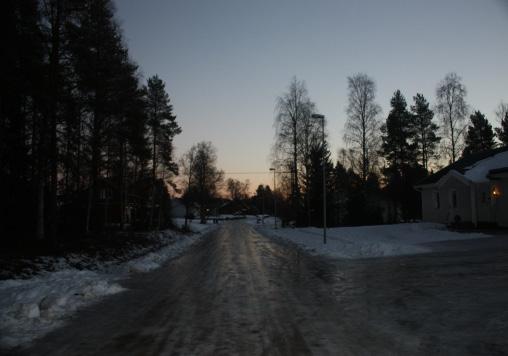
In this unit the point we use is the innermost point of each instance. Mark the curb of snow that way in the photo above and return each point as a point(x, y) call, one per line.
point(30, 308)
point(368, 241)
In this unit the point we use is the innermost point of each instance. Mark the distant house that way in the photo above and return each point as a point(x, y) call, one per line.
point(472, 190)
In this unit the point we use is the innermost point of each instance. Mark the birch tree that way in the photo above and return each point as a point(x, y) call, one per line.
point(293, 132)
point(452, 110)
point(361, 131)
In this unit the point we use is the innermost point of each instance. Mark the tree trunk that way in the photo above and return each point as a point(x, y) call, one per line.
point(39, 228)
point(122, 195)
point(94, 165)
point(54, 85)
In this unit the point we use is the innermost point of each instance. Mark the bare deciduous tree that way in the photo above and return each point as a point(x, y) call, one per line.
point(203, 176)
point(452, 110)
point(293, 131)
point(501, 111)
point(362, 125)
point(502, 117)
point(237, 190)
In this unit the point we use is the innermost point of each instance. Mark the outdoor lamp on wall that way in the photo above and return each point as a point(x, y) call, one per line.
point(495, 192)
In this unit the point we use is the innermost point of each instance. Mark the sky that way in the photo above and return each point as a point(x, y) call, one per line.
point(225, 62)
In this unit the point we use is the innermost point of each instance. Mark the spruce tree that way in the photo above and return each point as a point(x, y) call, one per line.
point(502, 132)
point(480, 135)
point(425, 129)
point(339, 194)
point(315, 183)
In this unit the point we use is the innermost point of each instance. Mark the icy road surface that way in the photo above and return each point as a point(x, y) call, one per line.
point(240, 293)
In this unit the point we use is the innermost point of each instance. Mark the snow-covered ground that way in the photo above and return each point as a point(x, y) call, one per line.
point(29, 308)
point(367, 241)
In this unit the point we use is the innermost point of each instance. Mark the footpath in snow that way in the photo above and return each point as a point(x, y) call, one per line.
point(30, 308)
point(366, 241)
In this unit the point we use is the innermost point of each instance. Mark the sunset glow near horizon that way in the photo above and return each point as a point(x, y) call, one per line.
point(225, 62)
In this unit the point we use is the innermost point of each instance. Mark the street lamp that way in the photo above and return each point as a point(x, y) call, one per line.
point(274, 201)
point(322, 118)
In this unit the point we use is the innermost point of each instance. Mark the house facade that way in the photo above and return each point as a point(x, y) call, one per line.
point(472, 190)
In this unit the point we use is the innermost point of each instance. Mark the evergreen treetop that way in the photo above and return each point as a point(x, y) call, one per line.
point(398, 132)
point(425, 137)
point(480, 135)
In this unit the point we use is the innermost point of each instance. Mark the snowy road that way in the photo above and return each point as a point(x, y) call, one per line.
point(240, 293)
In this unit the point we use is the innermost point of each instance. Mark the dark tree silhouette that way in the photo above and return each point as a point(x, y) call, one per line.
point(362, 125)
point(425, 137)
point(294, 132)
point(314, 184)
point(452, 109)
point(502, 132)
point(480, 136)
point(204, 178)
point(163, 128)
point(399, 149)
point(398, 134)
point(74, 143)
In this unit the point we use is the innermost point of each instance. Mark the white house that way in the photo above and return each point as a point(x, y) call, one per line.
point(472, 190)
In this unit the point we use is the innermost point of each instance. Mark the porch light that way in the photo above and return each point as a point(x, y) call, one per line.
point(495, 192)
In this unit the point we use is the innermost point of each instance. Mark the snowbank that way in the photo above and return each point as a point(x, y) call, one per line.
point(369, 241)
point(30, 308)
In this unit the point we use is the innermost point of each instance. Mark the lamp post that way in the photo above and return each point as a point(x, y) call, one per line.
point(274, 201)
point(322, 118)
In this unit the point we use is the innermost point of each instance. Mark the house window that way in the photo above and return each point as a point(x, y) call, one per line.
point(454, 199)
point(437, 201)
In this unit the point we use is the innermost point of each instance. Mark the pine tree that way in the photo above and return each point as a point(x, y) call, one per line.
point(99, 60)
point(480, 136)
point(400, 145)
point(398, 133)
point(162, 129)
point(502, 132)
point(23, 130)
point(425, 129)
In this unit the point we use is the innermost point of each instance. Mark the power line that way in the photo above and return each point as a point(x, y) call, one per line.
point(261, 172)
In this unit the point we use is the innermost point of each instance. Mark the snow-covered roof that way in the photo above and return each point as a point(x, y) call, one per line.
point(473, 168)
point(478, 172)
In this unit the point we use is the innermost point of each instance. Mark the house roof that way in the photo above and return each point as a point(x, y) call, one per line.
point(496, 173)
point(474, 167)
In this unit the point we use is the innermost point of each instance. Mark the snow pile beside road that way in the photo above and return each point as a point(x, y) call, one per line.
point(37, 305)
point(154, 260)
point(30, 308)
point(369, 241)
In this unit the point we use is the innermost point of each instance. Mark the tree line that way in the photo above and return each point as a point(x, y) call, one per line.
point(373, 177)
point(85, 145)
